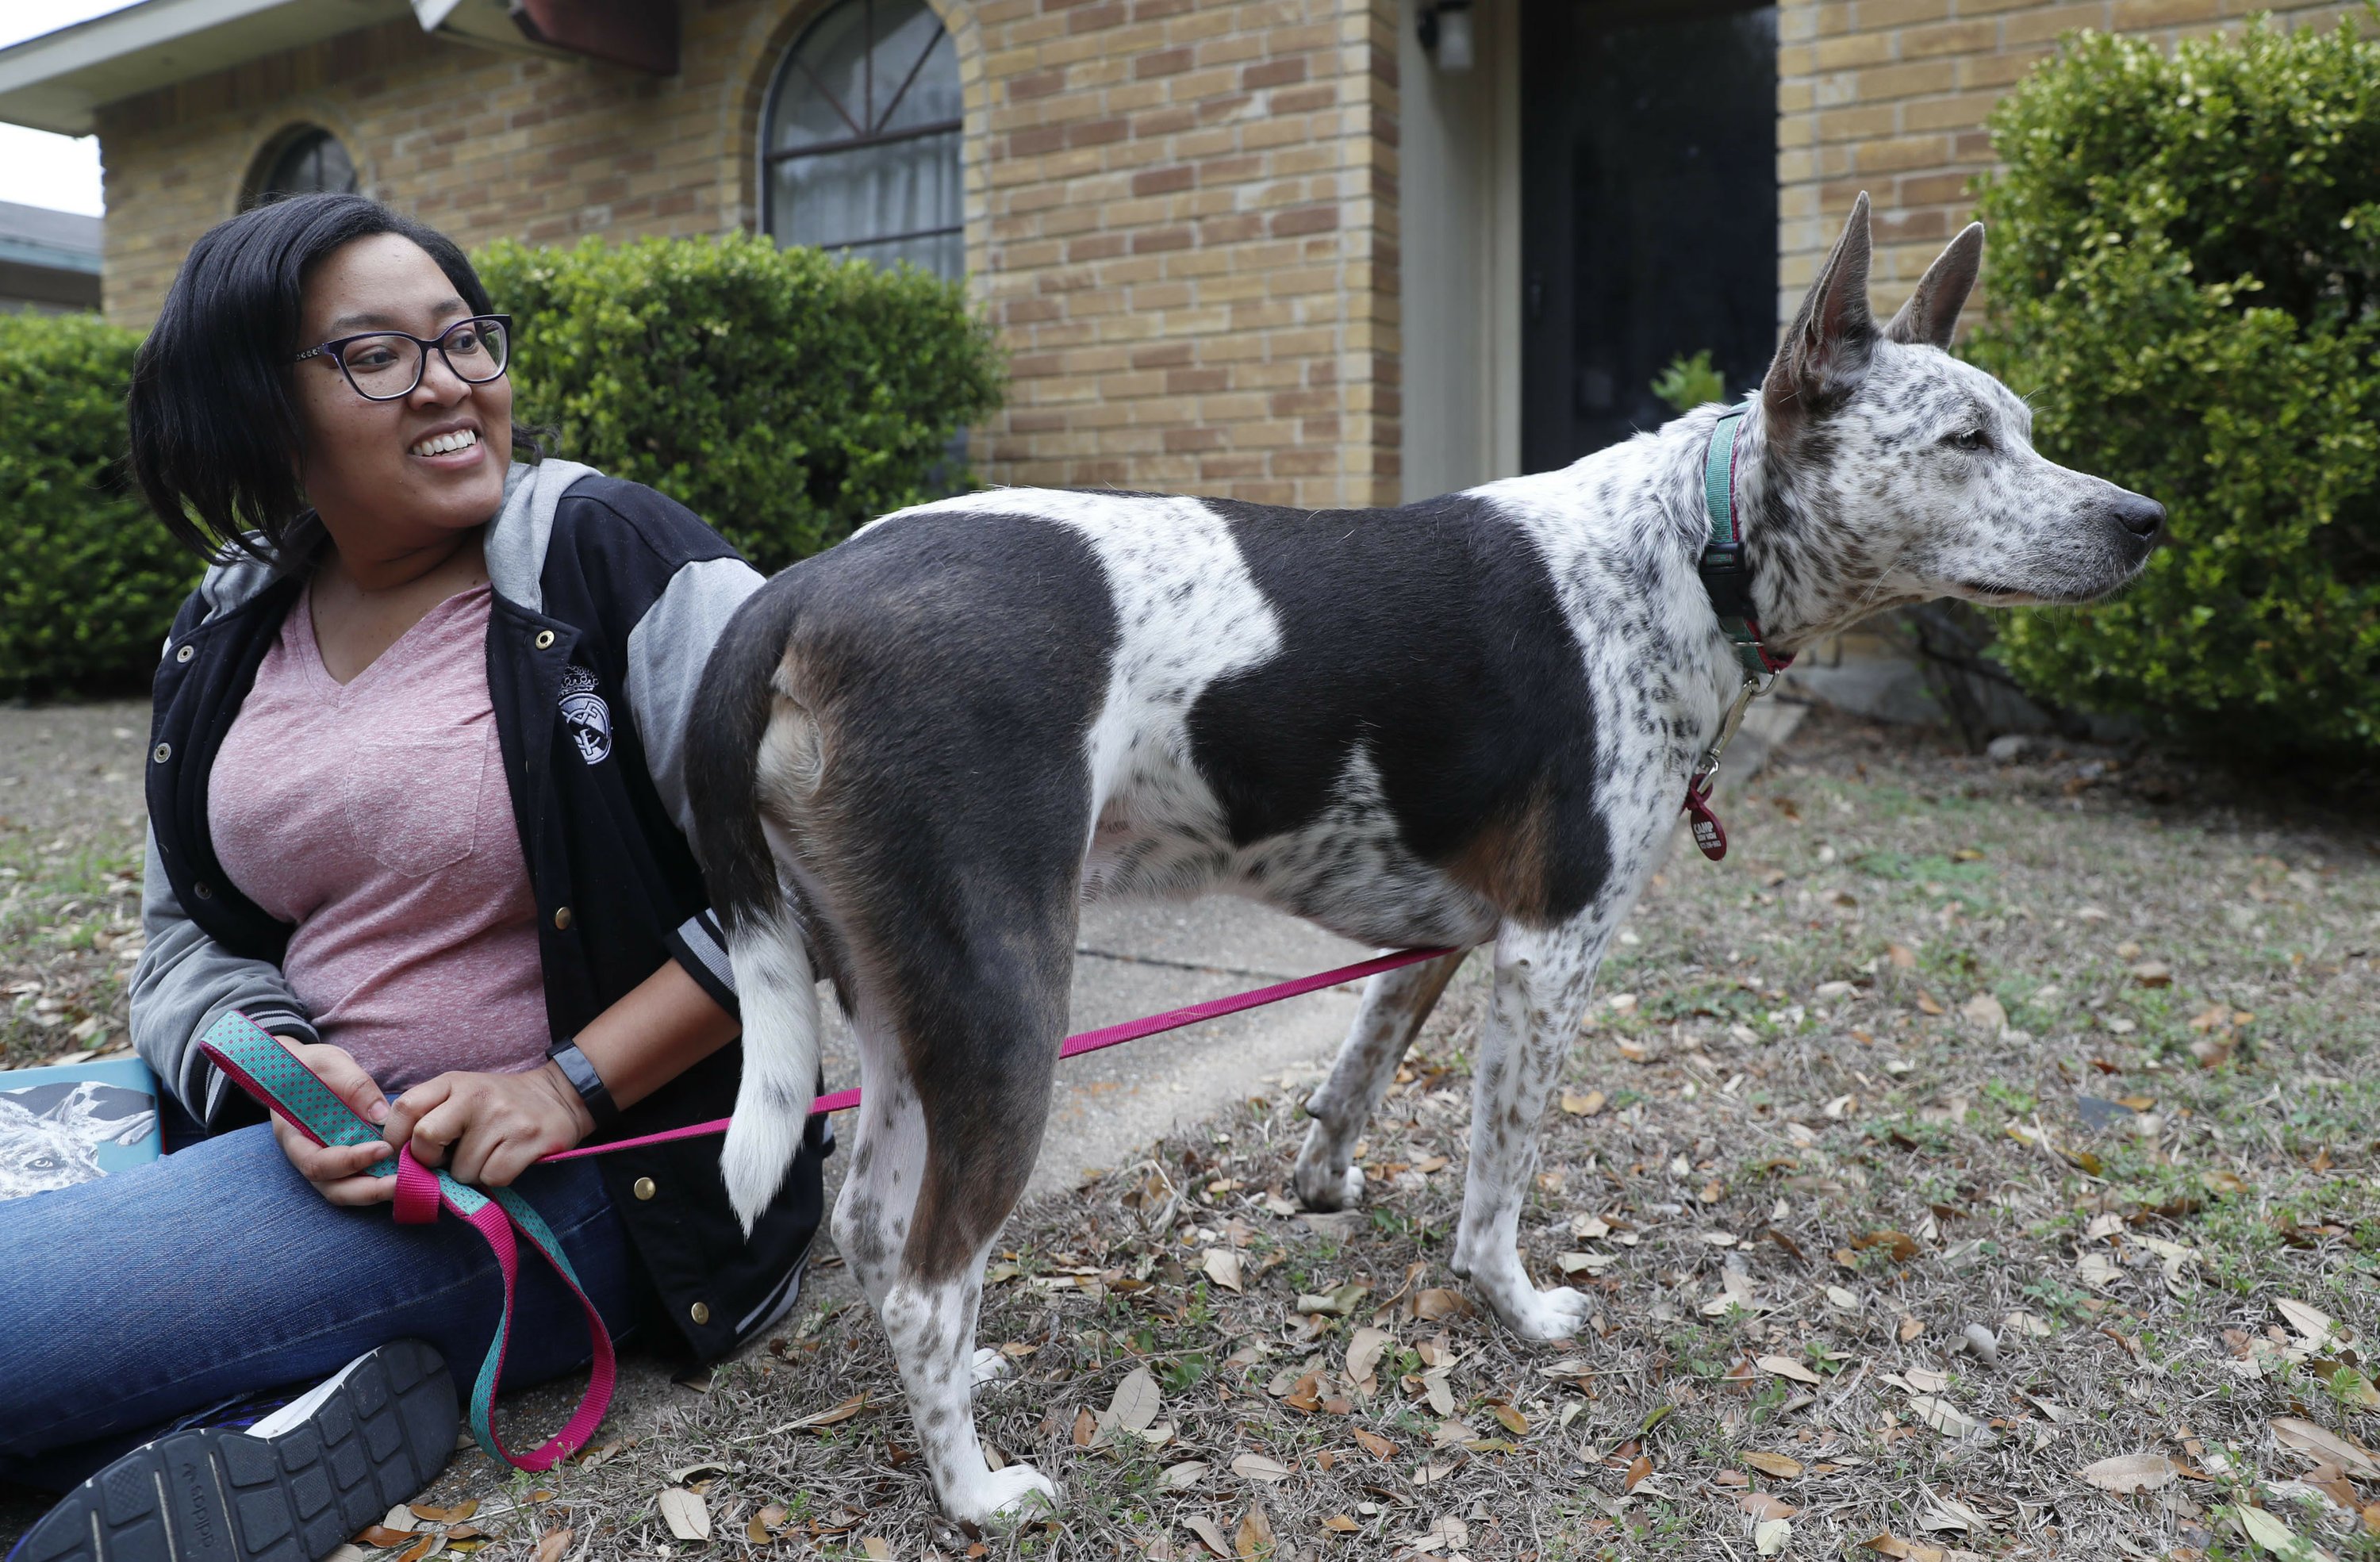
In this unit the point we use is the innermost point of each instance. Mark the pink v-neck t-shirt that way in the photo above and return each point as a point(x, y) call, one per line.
point(374, 816)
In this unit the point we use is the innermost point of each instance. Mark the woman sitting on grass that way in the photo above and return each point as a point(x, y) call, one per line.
point(416, 808)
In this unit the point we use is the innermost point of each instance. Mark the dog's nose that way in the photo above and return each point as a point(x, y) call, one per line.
point(2142, 516)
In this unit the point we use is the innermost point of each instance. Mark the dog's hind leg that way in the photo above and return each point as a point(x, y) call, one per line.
point(919, 1257)
point(1543, 979)
point(1395, 1004)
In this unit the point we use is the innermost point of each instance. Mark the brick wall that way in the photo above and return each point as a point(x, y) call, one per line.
point(1179, 212)
point(1889, 96)
point(1190, 244)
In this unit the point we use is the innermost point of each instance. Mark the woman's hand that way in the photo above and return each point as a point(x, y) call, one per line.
point(338, 1170)
point(486, 1129)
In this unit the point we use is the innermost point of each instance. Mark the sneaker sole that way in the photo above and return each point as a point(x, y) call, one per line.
point(377, 1439)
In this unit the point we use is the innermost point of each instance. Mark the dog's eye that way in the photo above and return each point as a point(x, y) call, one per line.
point(1970, 439)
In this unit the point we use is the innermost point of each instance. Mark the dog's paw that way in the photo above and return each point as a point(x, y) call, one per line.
point(1557, 1314)
point(1320, 1190)
point(1017, 1492)
point(990, 1366)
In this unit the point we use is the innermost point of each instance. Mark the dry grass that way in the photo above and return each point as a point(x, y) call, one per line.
point(1776, 1143)
point(1783, 1171)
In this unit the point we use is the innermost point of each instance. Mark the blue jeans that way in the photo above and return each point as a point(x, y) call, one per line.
point(218, 1271)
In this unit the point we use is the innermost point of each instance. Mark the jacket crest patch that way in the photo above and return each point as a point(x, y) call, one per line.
point(585, 714)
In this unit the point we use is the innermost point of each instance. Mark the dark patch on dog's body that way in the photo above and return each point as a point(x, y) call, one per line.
point(1428, 639)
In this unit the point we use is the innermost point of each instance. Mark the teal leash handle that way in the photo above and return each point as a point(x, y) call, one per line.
point(267, 1069)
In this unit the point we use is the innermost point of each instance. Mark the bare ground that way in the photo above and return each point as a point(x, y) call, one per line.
point(2050, 1053)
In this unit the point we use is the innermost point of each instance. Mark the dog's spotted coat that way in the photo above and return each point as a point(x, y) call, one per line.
point(1467, 721)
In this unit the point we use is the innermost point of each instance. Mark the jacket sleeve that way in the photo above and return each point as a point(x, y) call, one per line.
point(184, 982)
point(667, 651)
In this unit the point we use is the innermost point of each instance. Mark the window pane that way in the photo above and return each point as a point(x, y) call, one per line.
point(314, 161)
point(933, 95)
point(871, 194)
point(823, 94)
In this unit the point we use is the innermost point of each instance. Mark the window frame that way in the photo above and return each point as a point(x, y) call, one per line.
point(257, 190)
point(790, 63)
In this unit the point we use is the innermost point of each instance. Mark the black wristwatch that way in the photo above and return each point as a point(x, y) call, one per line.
point(584, 1080)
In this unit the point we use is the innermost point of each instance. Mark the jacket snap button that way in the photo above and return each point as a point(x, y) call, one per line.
point(203, 891)
point(699, 1312)
point(185, 654)
point(645, 1189)
point(162, 753)
point(544, 639)
point(561, 919)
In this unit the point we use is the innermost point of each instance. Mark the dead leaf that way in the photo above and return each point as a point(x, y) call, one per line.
point(1086, 1428)
point(687, 1517)
point(827, 1417)
point(452, 1515)
point(1765, 1505)
point(1786, 1366)
point(1255, 1540)
point(1907, 1551)
point(1514, 1422)
point(401, 1518)
point(1580, 1105)
point(1638, 1469)
point(1365, 1348)
point(1256, 1467)
point(1341, 1524)
point(2026, 1324)
point(2153, 974)
point(423, 1545)
point(1775, 1465)
point(1222, 1267)
point(1372, 1443)
point(1135, 1403)
point(1903, 957)
point(1436, 1303)
point(1985, 1012)
point(1910, 1329)
point(1928, 1003)
point(381, 1534)
point(2126, 1474)
point(2274, 1535)
point(1212, 1537)
point(552, 1545)
point(2339, 1449)
point(1770, 1535)
point(2312, 1323)
point(1177, 1476)
point(766, 1524)
point(877, 1548)
point(1946, 1418)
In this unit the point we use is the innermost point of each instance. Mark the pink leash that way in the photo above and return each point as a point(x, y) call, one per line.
point(1075, 1045)
point(271, 1072)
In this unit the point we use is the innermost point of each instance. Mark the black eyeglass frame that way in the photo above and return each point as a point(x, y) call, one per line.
point(335, 350)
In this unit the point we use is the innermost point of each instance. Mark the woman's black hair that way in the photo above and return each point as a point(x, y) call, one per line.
point(216, 436)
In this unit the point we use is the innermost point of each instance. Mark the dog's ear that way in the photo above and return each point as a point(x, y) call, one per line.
point(1932, 313)
point(1826, 352)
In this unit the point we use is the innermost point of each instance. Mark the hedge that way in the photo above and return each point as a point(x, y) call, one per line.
point(88, 581)
point(785, 395)
point(2185, 281)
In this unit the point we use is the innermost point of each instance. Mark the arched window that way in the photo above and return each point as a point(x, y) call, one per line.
point(860, 151)
point(303, 161)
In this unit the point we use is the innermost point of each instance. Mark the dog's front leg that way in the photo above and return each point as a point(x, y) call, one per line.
point(1542, 982)
point(1395, 1004)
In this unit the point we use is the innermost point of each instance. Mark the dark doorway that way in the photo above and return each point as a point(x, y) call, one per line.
point(1648, 210)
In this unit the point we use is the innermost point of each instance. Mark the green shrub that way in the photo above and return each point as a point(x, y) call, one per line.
point(785, 395)
point(89, 580)
point(2185, 280)
point(1688, 382)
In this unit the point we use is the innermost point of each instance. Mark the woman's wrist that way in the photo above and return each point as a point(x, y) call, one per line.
point(567, 1094)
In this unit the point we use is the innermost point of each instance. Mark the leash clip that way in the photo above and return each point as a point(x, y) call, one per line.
point(1710, 836)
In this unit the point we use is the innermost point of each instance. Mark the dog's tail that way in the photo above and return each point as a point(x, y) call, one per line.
point(742, 735)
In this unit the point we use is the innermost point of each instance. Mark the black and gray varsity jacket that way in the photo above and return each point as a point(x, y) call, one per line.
point(608, 597)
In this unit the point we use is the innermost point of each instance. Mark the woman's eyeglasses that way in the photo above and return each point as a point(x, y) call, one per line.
point(388, 365)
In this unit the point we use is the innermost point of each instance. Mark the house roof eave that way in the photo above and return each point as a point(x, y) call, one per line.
point(57, 80)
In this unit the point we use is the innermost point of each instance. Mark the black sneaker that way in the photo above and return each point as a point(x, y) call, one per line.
point(290, 1488)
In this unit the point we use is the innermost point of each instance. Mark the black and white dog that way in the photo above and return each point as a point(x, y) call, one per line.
point(1467, 721)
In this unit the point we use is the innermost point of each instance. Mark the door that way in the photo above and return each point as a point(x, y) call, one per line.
point(1648, 210)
